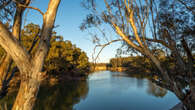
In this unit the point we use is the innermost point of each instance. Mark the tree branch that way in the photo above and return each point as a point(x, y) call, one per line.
point(159, 41)
point(103, 46)
point(13, 47)
point(34, 42)
point(48, 25)
point(25, 6)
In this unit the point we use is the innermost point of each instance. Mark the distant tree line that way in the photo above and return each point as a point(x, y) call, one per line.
point(142, 65)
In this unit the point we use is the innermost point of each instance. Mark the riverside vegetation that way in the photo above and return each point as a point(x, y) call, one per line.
point(64, 61)
point(160, 33)
point(146, 28)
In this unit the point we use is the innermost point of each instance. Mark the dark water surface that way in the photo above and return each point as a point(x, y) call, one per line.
point(102, 91)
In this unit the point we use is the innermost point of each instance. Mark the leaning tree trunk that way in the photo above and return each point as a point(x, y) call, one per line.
point(177, 90)
point(32, 74)
point(30, 67)
point(16, 29)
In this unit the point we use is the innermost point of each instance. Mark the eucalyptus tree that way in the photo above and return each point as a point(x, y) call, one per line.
point(145, 25)
point(9, 9)
point(30, 66)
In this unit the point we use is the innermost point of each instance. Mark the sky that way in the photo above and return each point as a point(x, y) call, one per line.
point(69, 17)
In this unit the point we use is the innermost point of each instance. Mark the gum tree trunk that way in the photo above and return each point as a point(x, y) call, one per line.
point(16, 29)
point(28, 91)
point(30, 67)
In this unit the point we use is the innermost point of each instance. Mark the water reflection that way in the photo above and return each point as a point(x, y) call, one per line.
point(57, 97)
point(62, 96)
point(155, 90)
point(102, 91)
point(140, 83)
point(119, 92)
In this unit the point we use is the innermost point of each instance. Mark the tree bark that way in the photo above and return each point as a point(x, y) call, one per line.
point(16, 29)
point(27, 94)
point(32, 78)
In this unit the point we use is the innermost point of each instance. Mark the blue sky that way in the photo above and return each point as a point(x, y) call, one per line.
point(70, 16)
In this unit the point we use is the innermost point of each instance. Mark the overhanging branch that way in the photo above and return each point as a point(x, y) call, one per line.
point(25, 6)
point(102, 47)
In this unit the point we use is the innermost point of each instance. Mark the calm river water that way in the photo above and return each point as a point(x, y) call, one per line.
point(108, 91)
point(103, 90)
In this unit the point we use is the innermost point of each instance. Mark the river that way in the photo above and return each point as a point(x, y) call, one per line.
point(103, 90)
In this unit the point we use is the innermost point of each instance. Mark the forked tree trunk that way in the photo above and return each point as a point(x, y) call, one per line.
point(30, 67)
point(16, 29)
point(31, 73)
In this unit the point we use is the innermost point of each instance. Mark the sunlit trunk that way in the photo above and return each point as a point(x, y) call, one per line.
point(7, 61)
point(31, 69)
point(27, 94)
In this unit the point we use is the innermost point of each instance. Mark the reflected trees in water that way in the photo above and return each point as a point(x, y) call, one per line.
point(61, 96)
point(155, 90)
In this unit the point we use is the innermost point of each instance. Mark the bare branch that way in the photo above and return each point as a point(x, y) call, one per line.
point(25, 6)
point(126, 39)
point(159, 41)
point(102, 47)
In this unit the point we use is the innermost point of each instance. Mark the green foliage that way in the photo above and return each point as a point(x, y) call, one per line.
point(66, 57)
point(135, 64)
point(63, 56)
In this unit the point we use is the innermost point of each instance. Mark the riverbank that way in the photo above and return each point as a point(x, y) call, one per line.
point(117, 89)
point(105, 68)
point(49, 80)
